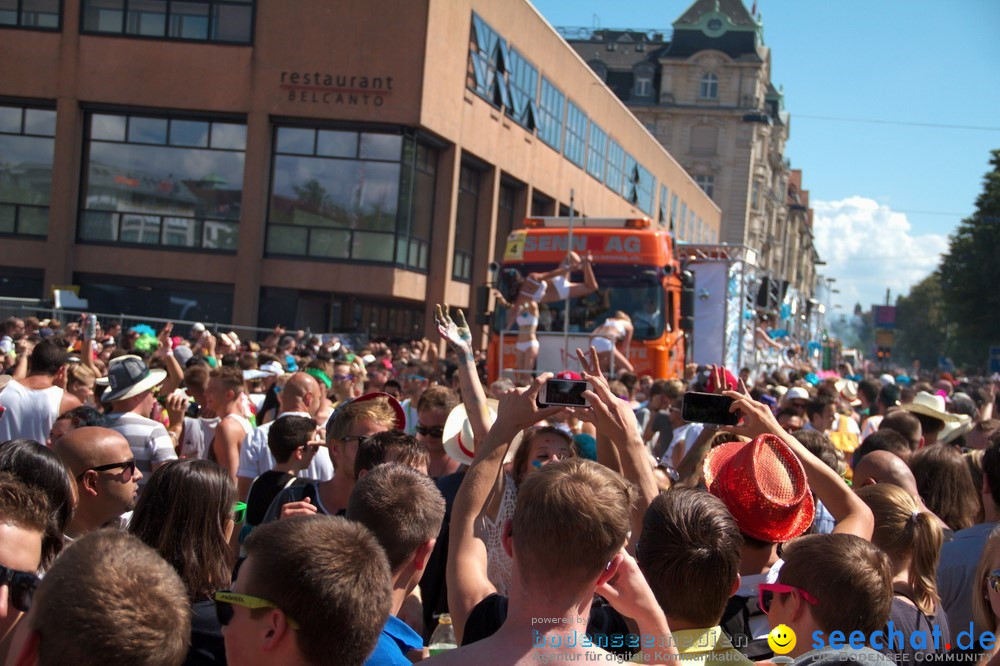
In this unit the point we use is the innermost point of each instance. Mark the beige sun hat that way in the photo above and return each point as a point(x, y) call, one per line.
point(930, 405)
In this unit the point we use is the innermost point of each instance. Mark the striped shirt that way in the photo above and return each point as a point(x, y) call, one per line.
point(147, 438)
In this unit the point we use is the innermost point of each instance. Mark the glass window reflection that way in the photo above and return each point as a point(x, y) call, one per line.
point(26, 154)
point(177, 195)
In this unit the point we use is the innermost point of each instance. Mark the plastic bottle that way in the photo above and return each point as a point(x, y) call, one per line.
point(443, 637)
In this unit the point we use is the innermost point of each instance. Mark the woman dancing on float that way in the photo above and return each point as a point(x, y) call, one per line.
point(605, 338)
point(523, 296)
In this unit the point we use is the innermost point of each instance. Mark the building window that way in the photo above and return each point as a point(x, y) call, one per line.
point(149, 297)
point(576, 135)
point(643, 86)
point(692, 233)
point(523, 81)
point(506, 218)
point(614, 174)
point(489, 57)
point(706, 183)
point(416, 208)
point(682, 231)
point(664, 211)
point(216, 21)
point(755, 196)
point(153, 180)
point(353, 196)
point(26, 150)
point(709, 88)
point(639, 185)
point(33, 14)
point(673, 212)
point(551, 108)
point(596, 152)
point(465, 223)
point(700, 233)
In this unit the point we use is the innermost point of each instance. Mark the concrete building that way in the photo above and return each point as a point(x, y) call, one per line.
point(340, 166)
point(704, 90)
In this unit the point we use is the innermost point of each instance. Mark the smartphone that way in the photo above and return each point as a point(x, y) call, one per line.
point(90, 327)
point(708, 408)
point(565, 392)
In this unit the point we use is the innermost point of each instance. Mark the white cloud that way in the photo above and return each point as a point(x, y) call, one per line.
point(869, 248)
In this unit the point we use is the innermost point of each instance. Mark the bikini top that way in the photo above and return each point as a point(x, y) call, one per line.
point(617, 324)
point(526, 320)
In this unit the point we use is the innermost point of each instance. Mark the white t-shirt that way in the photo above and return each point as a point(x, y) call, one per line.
point(256, 458)
point(687, 433)
point(198, 435)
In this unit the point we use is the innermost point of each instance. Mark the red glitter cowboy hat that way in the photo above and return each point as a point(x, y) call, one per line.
point(764, 487)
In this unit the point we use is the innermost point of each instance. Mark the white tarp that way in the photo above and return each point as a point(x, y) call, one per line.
point(710, 288)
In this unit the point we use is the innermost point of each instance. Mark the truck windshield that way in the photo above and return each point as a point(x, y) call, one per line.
point(635, 291)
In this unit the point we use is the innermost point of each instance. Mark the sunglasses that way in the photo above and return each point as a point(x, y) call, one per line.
point(343, 378)
point(226, 599)
point(413, 378)
point(426, 431)
point(128, 471)
point(22, 587)
point(766, 592)
point(993, 580)
point(239, 512)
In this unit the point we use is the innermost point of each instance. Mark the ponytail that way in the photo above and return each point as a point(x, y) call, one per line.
point(926, 551)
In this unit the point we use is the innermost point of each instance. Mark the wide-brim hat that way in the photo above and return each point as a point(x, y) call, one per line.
point(460, 441)
point(764, 487)
point(955, 429)
point(796, 393)
point(930, 405)
point(848, 391)
point(128, 376)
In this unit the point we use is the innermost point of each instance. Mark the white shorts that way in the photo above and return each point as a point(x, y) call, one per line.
point(602, 344)
point(526, 345)
point(561, 284)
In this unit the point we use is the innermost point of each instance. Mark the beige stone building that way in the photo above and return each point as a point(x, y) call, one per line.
point(705, 92)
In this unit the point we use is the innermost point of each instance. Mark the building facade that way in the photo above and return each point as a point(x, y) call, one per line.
point(339, 166)
point(704, 90)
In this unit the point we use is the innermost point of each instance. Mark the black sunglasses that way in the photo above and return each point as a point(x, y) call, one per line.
point(22, 587)
point(128, 469)
point(436, 431)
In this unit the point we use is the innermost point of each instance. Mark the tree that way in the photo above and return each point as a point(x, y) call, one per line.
point(921, 324)
point(970, 276)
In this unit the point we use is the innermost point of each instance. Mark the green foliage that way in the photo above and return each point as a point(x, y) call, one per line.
point(970, 276)
point(921, 324)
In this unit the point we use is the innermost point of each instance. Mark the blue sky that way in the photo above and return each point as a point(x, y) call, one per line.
point(901, 61)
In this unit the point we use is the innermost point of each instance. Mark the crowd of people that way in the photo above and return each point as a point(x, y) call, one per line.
point(202, 499)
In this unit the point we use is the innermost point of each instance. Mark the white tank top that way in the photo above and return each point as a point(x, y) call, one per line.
point(28, 413)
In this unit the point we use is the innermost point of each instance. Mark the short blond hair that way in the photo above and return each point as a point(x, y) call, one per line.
point(109, 598)
point(345, 418)
point(572, 516)
point(78, 373)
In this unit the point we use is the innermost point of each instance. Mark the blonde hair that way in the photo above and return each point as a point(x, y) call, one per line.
point(906, 532)
point(78, 373)
point(982, 610)
point(571, 517)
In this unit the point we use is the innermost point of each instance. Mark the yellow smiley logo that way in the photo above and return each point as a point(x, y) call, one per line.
point(781, 640)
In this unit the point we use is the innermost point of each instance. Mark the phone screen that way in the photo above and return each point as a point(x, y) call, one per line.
point(708, 408)
point(567, 392)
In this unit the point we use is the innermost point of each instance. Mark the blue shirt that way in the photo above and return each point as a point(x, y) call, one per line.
point(393, 643)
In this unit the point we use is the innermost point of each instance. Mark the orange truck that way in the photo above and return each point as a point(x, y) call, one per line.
point(637, 272)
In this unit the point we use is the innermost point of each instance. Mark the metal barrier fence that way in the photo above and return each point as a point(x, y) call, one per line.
point(33, 307)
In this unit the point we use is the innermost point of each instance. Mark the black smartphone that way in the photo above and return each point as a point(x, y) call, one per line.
point(564, 392)
point(708, 408)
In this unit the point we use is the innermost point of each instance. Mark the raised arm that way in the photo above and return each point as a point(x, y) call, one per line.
point(852, 515)
point(616, 419)
point(458, 336)
point(468, 583)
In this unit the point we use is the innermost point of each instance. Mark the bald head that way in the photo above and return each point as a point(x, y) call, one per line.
point(301, 393)
point(885, 467)
point(84, 448)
